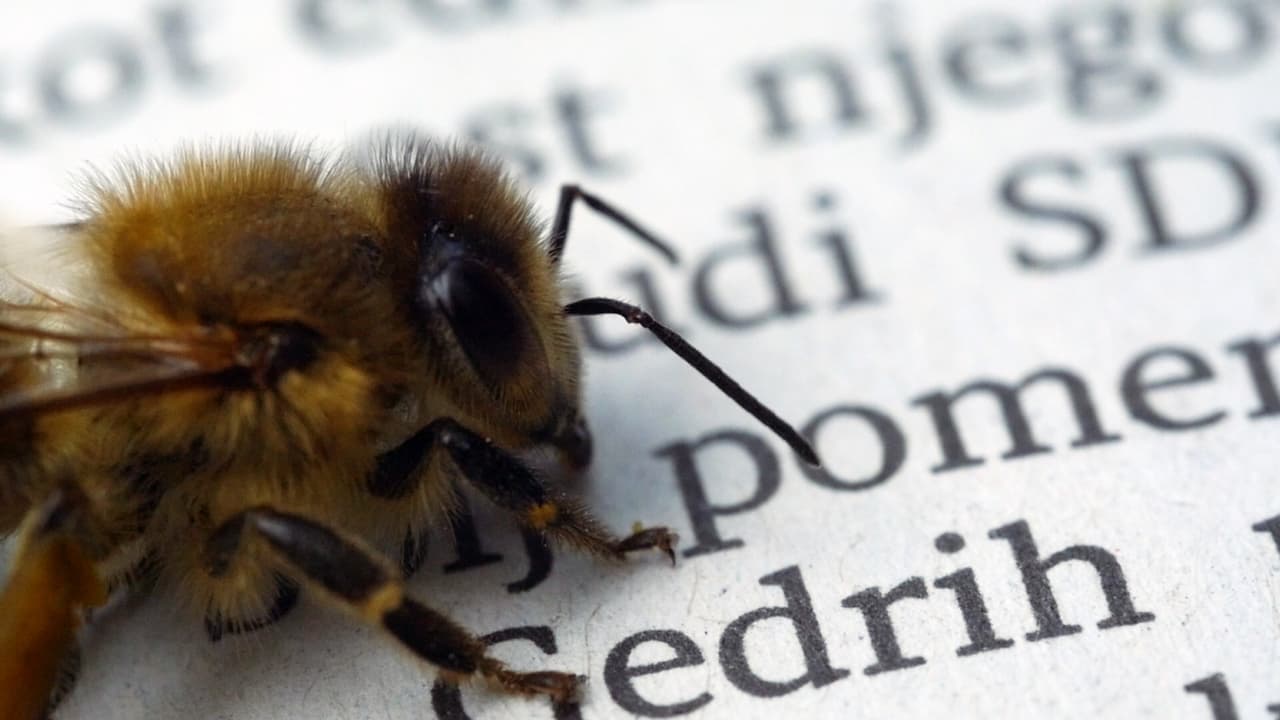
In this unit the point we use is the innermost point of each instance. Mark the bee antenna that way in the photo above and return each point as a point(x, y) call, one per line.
point(564, 211)
point(700, 362)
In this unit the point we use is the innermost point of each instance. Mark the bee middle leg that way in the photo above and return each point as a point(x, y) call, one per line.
point(512, 485)
point(360, 579)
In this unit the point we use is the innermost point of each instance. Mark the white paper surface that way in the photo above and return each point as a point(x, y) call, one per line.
point(678, 135)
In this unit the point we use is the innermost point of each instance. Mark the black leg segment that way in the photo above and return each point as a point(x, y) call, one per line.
point(398, 469)
point(512, 485)
point(367, 584)
point(350, 572)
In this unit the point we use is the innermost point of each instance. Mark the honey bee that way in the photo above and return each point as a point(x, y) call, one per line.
point(270, 368)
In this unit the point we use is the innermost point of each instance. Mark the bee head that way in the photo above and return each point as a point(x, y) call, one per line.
point(485, 297)
point(485, 291)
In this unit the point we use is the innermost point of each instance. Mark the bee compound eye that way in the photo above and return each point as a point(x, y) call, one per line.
point(486, 318)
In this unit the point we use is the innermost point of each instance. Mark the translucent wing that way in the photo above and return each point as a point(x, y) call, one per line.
point(64, 343)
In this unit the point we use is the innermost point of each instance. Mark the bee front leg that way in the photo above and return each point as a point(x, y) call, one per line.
point(359, 579)
point(510, 484)
point(513, 485)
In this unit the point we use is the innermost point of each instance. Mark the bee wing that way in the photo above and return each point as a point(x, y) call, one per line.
point(47, 279)
point(103, 388)
point(61, 347)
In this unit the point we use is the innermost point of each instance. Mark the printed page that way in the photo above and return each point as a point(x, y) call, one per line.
point(1010, 265)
